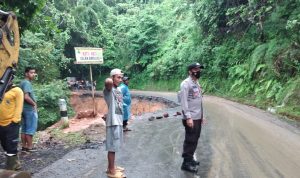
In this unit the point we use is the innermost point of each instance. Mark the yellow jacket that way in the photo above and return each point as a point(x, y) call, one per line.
point(11, 106)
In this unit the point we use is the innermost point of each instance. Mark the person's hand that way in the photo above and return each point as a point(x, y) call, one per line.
point(35, 107)
point(190, 122)
point(108, 84)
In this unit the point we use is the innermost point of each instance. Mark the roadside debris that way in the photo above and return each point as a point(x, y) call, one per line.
point(70, 160)
point(159, 117)
point(151, 118)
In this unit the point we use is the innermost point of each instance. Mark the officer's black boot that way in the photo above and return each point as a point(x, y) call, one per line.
point(188, 166)
point(195, 163)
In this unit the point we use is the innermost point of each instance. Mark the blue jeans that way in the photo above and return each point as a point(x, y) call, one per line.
point(29, 122)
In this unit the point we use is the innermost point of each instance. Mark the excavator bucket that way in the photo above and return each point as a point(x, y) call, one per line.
point(9, 48)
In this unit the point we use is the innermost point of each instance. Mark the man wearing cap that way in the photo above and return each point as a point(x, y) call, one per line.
point(127, 102)
point(191, 104)
point(114, 121)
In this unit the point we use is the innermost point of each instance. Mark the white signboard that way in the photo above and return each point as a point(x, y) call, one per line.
point(89, 55)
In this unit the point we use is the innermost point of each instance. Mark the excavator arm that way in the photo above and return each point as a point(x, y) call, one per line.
point(9, 54)
point(9, 49)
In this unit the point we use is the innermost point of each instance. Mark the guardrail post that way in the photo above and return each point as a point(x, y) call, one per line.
point(63, 112)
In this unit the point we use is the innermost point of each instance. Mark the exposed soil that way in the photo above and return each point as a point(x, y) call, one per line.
point(85, 130)
point(140, 104)
point(83, 106)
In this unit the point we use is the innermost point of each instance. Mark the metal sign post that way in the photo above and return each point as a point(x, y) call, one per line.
point(89, 56)
point(93, 92)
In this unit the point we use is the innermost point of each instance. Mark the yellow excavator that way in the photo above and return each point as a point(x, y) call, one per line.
point(9, 49)
point(9, 54)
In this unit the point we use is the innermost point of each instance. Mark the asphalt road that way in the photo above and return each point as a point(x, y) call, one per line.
point(237, 141)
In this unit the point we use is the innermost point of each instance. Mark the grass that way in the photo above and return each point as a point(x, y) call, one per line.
point(159, 85)
point(72, 139)
point(292, 112)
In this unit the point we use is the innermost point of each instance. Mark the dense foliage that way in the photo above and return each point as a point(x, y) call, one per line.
point(250, 48)
point(25, 9)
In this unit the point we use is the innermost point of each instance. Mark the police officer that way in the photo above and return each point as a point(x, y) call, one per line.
point(192, 109)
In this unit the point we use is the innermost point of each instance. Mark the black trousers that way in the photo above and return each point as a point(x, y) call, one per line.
point(125, 123)
point(191, 139)
point(9, 137)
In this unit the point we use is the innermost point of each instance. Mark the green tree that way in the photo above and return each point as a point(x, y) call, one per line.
point(25, 10)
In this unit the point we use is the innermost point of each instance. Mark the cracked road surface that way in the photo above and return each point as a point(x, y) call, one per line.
point(237, 141)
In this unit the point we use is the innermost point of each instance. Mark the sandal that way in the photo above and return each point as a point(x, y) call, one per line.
point(126, 130)
point(116, 175)
point(118, 169)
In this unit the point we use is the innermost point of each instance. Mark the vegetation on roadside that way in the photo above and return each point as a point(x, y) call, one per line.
point(250, 48)
point(71, 139)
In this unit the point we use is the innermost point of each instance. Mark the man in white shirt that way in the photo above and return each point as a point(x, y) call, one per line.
point(114, 121)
